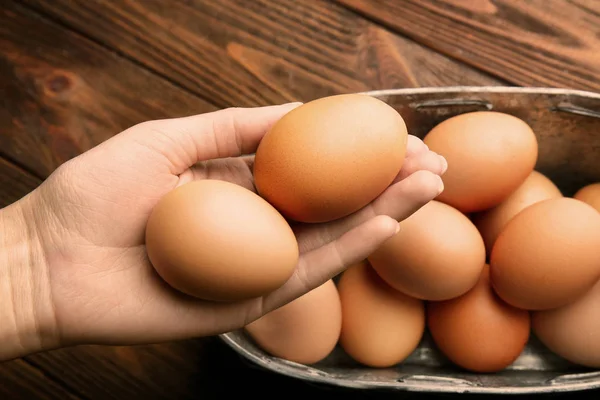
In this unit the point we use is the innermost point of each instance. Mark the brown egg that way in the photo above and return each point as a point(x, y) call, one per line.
point(573, 331)
point(380, 326)
point(330, 157)
point(489, 155)
point(438, 254)
point(478, 331)
point(548, 255)
point(219, 241)
point(305, 330)
point(536, 187)
point(590, 194)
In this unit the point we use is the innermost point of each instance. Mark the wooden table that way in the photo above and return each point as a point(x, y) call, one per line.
point(73, 73)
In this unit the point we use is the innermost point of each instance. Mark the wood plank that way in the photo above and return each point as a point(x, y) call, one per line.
point(151, 372)
point(19, 380)
point(63, 94)
point(14, 183)
point(241, 53)
point(530, 43)
point(203, 368)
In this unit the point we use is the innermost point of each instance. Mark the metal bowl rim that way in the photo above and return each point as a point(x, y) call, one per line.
point(484, 89)
point(302, 372)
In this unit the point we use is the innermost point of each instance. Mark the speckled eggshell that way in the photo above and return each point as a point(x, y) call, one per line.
point(490, 223)
point(305, 330)
point(218, 241)
point(590, 194)
point(478, 331)
point(548, 255)
point(438, 254)
point(489, 155)
point(381, 327)
point(330, 157)
point(573, 331)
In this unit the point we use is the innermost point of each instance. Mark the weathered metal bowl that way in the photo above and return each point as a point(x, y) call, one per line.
point(567, 124)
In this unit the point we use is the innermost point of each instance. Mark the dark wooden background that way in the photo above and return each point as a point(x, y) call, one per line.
point(75, 72)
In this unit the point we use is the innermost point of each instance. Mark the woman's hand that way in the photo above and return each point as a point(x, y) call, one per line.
point(96, 283)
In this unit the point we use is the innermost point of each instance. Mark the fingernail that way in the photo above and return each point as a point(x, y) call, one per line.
point(441, 185)
point(397, 227)
point(444, 165)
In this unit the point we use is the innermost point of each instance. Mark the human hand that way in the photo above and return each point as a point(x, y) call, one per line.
point(90, 217)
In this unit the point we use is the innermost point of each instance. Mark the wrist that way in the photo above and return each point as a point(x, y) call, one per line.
point(26, 313)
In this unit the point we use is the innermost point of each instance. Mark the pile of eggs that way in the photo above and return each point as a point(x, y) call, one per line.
point(500, 255)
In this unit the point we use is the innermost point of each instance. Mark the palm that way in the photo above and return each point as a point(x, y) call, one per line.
point(105, 290)
point(108, 279)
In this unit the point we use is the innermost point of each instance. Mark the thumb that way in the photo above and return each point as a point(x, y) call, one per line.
point(324, 263)
point(230, 132)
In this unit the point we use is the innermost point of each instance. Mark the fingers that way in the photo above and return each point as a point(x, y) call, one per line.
point(402, 199)
point(399, 201)
point(225, 133)
point(415, 146)
point(201, 318)
point(323, 263)
point(427, 160)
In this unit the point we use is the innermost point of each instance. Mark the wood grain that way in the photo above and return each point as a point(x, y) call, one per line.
point(248, 53)
point(19, 380)
point(167, 371)
point(194, 369)
point(529, 43)
point(14, 183)
point(62, 93)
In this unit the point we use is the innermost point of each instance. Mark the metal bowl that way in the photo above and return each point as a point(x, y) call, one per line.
point(567, 124)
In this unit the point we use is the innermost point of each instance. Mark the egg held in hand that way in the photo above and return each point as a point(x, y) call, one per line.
point(537, 187)
point(438, 254)
point(489, 155)
point(330, 157)
point(548, 255)
point(380, 326)
point(478, 331)
point(305, 330)
point(218, 241)
point(573, 331)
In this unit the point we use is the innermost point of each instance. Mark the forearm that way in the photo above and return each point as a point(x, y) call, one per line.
point(26, 317)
